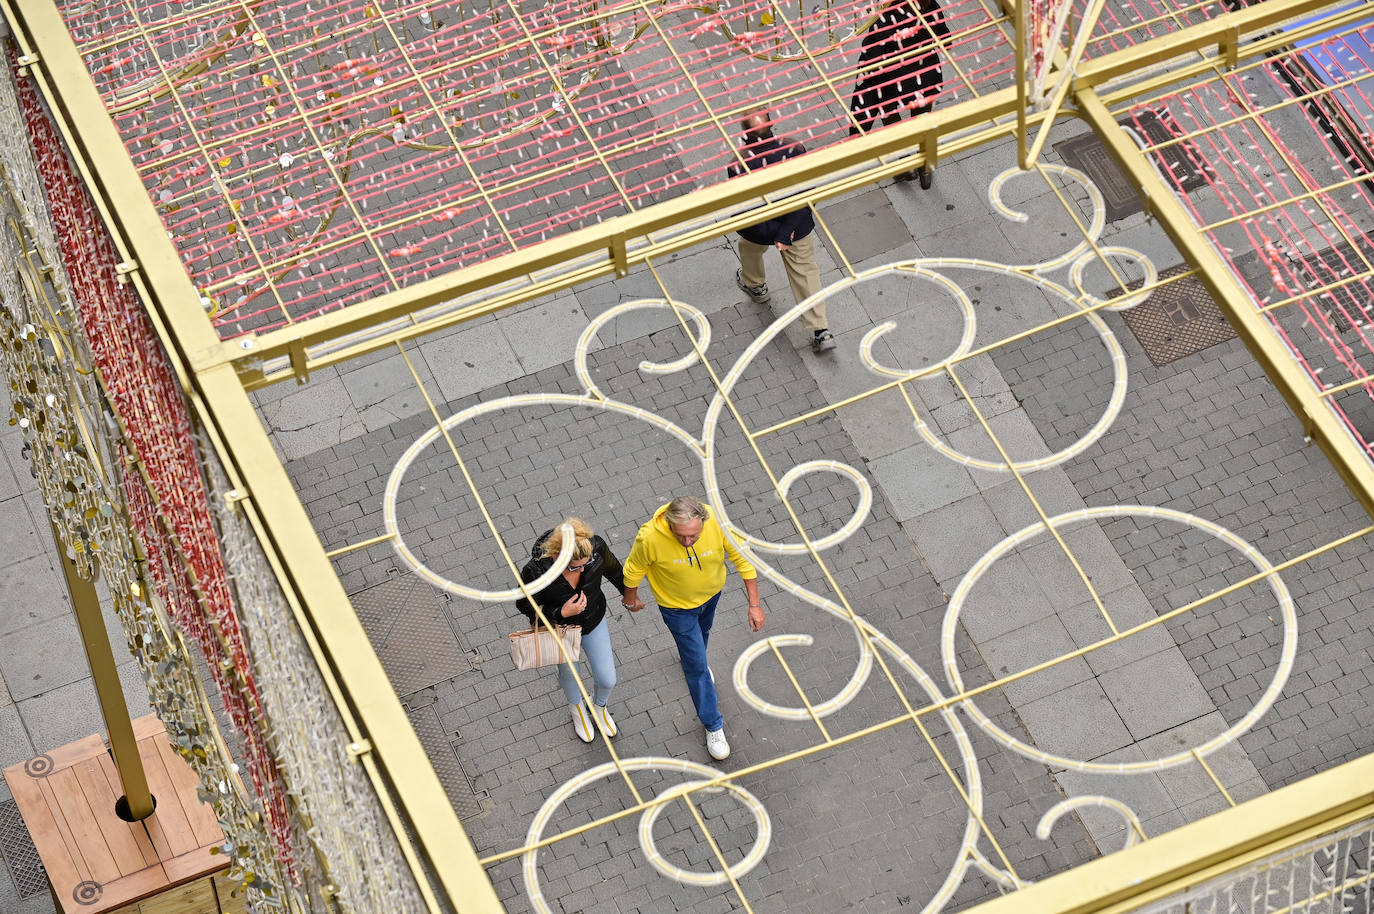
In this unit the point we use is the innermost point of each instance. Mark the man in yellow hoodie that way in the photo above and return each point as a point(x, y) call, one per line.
point(683, 551)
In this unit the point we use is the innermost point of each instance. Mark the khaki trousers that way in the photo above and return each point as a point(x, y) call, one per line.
point(802, 274)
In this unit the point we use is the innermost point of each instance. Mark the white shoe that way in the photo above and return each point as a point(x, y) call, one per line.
point(717, 745)
point(604, 720)
point(582, 722)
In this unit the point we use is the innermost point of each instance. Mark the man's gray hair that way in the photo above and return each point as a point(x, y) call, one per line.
point(685, 508)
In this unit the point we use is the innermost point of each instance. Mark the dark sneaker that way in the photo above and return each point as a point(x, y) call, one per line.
point(823, 341)
point(759, 294)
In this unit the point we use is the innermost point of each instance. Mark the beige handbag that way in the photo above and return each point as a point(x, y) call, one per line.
point(537, 646)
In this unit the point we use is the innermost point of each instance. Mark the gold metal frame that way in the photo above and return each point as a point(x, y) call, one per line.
point(217, 376)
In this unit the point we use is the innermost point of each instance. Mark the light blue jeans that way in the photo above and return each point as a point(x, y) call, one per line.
point(596, 650)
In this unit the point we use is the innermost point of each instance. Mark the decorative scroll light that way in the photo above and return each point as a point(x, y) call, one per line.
point(935, 273)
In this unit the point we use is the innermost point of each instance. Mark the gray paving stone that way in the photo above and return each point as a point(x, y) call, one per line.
point(952, 538)
point(1029, 646)
point(1077, 722)
point(1004, 599)
point(875, 425)
point(918, 480)
point(30, 592)
point(385, 390)
point(542, 335)
point(1127, 608)
point(61, 715)
point(312, 417)
point(472, 360)
point(22, 530)
point(42, 657)
point(1155, 693)
point(1188, 784)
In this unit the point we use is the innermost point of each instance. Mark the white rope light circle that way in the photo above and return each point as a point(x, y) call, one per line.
point(1133, 830)
point(856, 520)
point(1094, 232)
point(1271, 694)
point(714, 877)
point(701, 774)
point(1114, 403)
point(393, 485)
point(1130, 299)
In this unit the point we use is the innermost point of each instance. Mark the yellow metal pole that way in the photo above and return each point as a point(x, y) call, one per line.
point(137, 802)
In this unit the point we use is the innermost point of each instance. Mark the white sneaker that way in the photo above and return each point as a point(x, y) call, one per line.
point(717, 745)
point(582, 722)
point(604, 720)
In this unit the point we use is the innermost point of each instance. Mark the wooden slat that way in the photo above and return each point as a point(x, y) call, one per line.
point(83, 871)
point(121, 892)
point(196, 897)
point(148, 726)
point(42, 826)
point(174, 830)
point(201, 817)
point(84, 825)
point(138, 830)
point(119, 835)
point(84, 748)
point(200, 862)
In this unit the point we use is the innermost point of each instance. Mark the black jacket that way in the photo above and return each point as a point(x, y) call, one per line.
point(788, 227)
point(603, 564)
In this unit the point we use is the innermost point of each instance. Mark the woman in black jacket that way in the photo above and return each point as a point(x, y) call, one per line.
point(575, 598)
point(902, 65)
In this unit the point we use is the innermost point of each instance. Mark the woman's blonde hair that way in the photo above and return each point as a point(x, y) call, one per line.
point(582, 548)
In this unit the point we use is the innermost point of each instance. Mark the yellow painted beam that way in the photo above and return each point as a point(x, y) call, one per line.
point(1202, 850)
point(1291, 380)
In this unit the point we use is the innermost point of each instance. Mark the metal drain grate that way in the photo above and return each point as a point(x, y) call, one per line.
point(1087, 154)
point(21, 857)
point(447, 765)
point(1177, 320)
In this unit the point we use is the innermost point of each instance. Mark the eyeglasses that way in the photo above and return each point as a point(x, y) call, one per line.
point(584, 564)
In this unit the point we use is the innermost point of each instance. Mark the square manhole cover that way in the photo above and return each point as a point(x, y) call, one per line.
point(1176, 320)
point(405, 620)
point(21, 857)
point(1087, 154)
point(447, 765)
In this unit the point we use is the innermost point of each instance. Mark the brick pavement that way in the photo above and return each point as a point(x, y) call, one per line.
point(511, 728)
point(1205, 435)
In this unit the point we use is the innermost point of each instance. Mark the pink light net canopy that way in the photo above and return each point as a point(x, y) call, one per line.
point(306, 156)
point(309, 155)
point(1284, 152)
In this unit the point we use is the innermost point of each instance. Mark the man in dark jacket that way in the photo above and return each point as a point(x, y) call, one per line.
point(790, 232)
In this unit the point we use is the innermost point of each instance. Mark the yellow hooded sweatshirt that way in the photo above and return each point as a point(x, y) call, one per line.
point(683, 577)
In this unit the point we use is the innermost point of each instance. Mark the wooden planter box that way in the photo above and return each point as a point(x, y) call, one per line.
point(99, 864)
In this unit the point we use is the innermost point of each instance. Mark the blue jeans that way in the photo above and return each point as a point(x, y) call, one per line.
point(596, 650)
point(691, 630)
